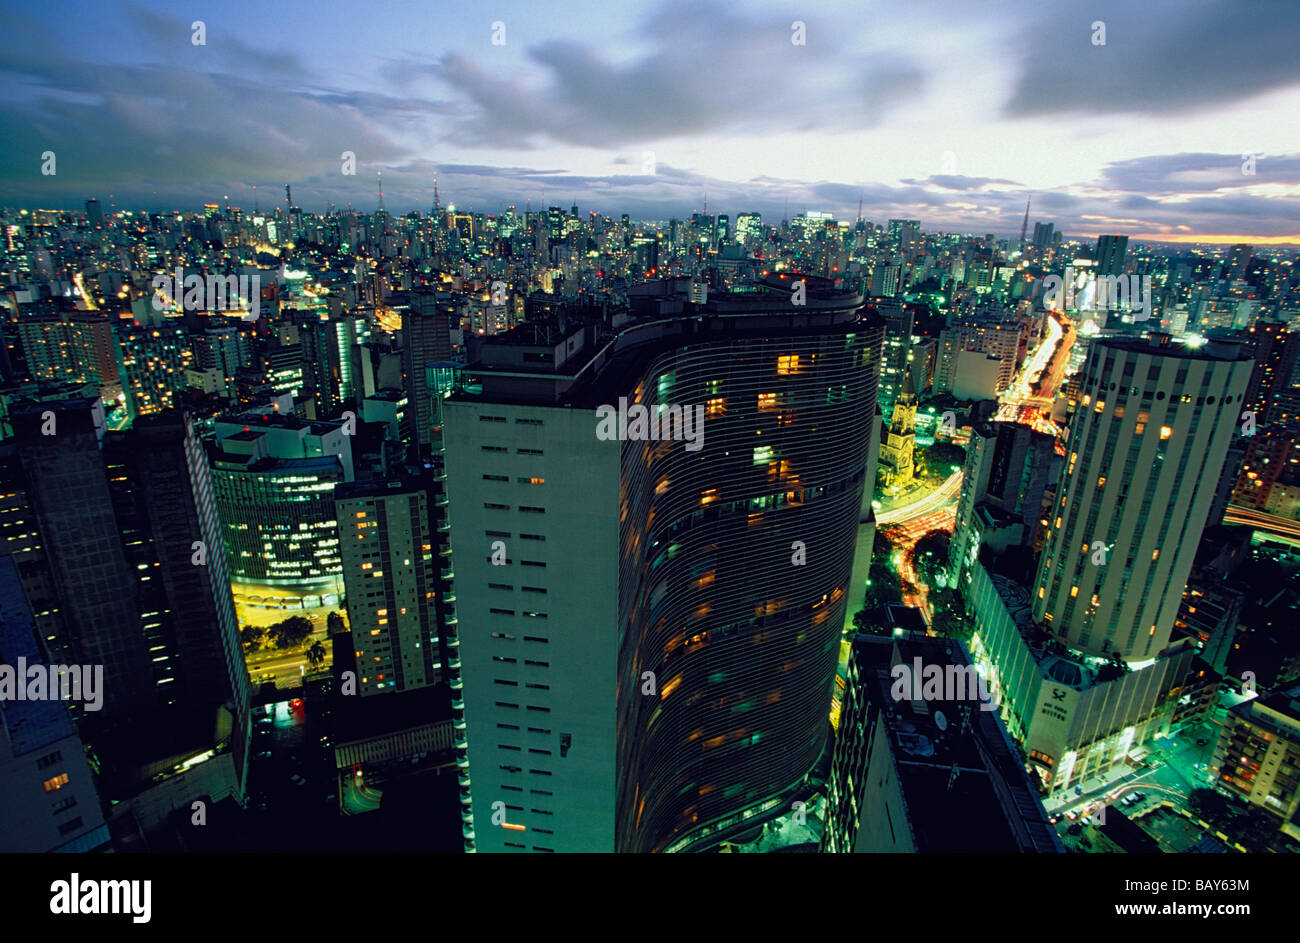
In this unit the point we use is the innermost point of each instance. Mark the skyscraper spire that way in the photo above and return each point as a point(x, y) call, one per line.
point(1024, 227)
point(380, 175)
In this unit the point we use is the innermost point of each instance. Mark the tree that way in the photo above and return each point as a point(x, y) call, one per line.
point(252, 637)
point(943, 454)
point(316, 653)
point(866, 624)
point(936, 543)
point(1207, 804)
point(334, 623)
point(882, 587)
point(292, 631)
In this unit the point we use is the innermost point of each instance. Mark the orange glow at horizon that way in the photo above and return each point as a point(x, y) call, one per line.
point(1218, 239)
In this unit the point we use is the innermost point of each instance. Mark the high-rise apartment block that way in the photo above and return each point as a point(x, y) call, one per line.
point(1144, 457)
point(386, 543)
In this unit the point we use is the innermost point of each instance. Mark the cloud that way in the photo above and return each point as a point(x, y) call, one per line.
point(959, 182)
point(699, 75)
point(1160, 57)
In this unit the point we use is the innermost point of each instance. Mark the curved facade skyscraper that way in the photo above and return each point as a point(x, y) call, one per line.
point(650, 626)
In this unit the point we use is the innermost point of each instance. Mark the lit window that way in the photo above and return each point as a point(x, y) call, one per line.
point(1166, 432)
point(1074, 591)
point(787, 364)
point(766, 401)
point(58, 782)
point(717, 406)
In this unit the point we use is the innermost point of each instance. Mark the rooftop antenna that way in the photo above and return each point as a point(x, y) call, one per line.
point(380, 175)
point(859, 207)
point(437, 201)
point(1024, 227)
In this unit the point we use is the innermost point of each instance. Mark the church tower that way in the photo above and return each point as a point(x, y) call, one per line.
point(896, 452)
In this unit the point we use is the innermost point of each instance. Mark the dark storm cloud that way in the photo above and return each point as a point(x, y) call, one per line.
point(1160, 57)
point(194, 123)
point(707, 69)
point(1167, 174)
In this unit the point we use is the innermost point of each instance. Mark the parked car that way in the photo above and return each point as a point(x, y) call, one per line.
point(1072, 815)
point(264, 755)
point(297, 780)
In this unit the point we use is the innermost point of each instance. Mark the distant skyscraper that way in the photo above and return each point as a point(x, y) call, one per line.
point(94, 214)
point(1043, 235)
point(1275, 351)
point(884, 281)
point(702, 711)
point(151, 364)
point(1234, 266)
point(1110, 254)
point(327, 361)
point(426, 340)
point(1144, 458)
point(748, 228)
point(894, 364)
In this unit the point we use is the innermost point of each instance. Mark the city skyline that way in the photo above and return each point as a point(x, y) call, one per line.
point(960, 129)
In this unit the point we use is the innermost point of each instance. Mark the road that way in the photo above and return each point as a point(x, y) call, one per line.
point(1023, 401)
point(1172, 771)
point(905, 537)
point(1269, 523)
point(358, 796)
point(936, 500)
point(284, 668)
point(86, 302)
